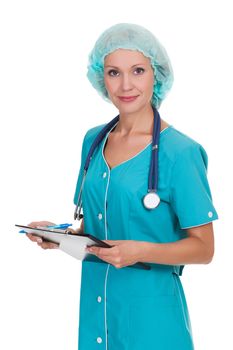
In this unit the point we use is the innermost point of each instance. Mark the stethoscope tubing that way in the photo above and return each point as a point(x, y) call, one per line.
point(153, 172)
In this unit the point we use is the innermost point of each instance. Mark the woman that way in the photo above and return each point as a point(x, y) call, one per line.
point(134, 308)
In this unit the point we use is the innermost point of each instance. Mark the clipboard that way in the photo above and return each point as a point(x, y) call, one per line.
point(73, 244)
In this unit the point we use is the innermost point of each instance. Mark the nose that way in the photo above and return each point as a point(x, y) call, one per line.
point(126, 82)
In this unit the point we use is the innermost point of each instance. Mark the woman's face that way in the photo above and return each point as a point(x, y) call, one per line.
point(128, 73)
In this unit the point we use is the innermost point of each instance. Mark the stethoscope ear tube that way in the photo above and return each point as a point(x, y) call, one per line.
point(151, 200)
point(77, 211)
point(153, 173)
point(98, 139)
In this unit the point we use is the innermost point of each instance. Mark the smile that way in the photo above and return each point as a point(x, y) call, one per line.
point(128, 98)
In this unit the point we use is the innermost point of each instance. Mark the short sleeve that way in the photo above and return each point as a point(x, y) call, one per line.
point(190, 194)
point(81, 169)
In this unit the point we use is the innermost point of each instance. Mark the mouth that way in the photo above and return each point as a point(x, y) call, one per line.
point(127, 98)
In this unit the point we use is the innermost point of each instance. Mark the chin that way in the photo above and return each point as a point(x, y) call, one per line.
point(128, 109)
point(133, 108)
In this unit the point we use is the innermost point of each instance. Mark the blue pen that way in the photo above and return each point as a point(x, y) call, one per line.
point(60, 226)
point(52, 227)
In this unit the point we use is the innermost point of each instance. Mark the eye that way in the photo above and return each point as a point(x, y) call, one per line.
point(140, 69)
point(112, 71)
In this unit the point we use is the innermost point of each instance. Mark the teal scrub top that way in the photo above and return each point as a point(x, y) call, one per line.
point(131, 308)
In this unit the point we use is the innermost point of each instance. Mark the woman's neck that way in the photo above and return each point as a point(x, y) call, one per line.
point(139, 122)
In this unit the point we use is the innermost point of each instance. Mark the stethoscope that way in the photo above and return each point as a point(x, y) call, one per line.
point(151, 200)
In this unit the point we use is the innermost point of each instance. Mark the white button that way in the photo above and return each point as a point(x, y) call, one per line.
point(99, 299)
point(99, 340)
point(210, 214)
point(100, 216)
point(104, 174)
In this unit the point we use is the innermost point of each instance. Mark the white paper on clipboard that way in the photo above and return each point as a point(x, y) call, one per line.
point(73, 245)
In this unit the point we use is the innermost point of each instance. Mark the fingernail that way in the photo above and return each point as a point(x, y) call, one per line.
point(39, 240)
point(89, 250)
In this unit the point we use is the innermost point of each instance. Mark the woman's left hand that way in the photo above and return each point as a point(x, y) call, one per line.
point(123, 253)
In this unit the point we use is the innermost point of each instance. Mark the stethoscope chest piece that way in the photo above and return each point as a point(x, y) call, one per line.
point(151, 200)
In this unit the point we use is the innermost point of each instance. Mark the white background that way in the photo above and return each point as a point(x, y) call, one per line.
point(47, 105)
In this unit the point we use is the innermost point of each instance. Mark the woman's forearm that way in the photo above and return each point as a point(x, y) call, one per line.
point(190, 250)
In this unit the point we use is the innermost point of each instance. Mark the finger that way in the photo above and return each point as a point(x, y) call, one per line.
point(104, 254)
point(40, 223)
point(112, 242)
point(34, 238)
point(34, 224)
point(48, 245)
point(108, 260)
point(101, 252)
point(111, 260)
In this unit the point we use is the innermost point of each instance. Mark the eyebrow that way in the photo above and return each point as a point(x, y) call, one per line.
point(138, 64)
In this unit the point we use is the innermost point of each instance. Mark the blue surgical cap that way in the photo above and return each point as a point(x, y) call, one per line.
point(133, 37)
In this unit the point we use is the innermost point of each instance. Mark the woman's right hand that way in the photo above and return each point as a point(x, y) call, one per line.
point(39, 240)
